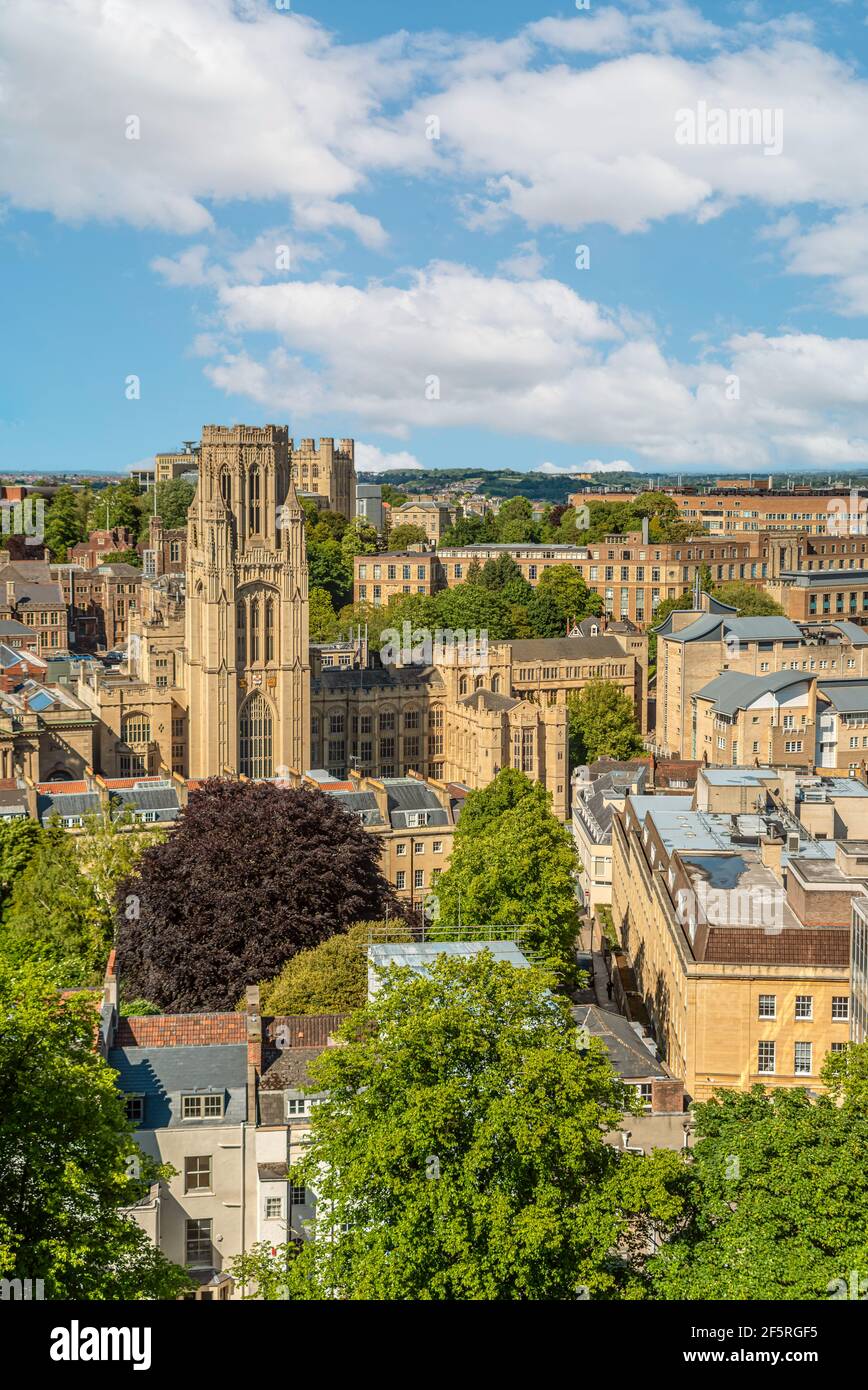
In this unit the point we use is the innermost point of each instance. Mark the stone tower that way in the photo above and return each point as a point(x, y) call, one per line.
point(247, 674)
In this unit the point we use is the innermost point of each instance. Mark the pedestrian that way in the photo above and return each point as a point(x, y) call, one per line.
point(609, 988)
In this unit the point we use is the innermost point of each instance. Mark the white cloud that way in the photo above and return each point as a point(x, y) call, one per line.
point(251, 103)
point(231, 103)
point(454, 348)
point(370, 459)
point(569, 146)
point(596, 466)
point(525, 264)
point(836, 249)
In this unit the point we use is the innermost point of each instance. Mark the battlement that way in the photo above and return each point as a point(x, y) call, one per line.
point(245, 434)
point(308, 448)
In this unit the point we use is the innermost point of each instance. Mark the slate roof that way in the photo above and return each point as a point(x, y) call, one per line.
point(488, 699)
point(288, 1070)
point(67, 804)
point(632, 1060)
point(163, 1074)
point(553, 648)
point(732, 691)
point(163, 800)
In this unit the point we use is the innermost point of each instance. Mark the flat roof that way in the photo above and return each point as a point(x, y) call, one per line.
point(738, 776)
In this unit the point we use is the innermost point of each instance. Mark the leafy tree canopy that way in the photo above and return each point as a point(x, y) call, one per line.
point(513, 863)
point(460, 1155)
point(751, 600)
point(404, 535)
point(331, 977)
point(777, 1204)
point(65, 1150)
point(213, 918)
point(602, 723)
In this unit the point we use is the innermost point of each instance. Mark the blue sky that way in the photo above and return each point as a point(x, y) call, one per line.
point(432, 306)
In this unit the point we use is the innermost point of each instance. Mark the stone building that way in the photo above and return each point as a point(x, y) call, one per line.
point(246, 638)
point(696, 645)
point(30, 594)
point(101, 601)
point(326, 471)
point(738, 931)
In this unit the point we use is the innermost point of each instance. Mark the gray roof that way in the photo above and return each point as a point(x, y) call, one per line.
point(288, 1070)
point(848, 697)
point(374, 677)
point(9, 627)
point(632, 1060)
point(163, 1074)
point(488, 699)
point(707, 625)
point(731, 691)
point(163, 800)
point(856, 634)
point(67, 804)
point(362, 804)
point(552, 648)
point(764, 629)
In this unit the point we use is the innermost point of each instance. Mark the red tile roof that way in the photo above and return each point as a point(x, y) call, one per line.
point(181, 1030)
point(58, 788)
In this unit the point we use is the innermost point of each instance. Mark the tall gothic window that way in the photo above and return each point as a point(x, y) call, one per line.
point(255, 738)
point(254, 630)
point(254, 502)
point(241, 643)
point(269, 629)
point(226, 487)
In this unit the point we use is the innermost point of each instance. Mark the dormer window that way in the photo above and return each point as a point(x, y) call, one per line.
point(203, 1107)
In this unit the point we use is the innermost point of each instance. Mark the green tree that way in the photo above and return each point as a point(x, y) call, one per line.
point(262, 1272)
point(360, 538)
point(602, 723)
point(173, 503)
point(122, 557)
point(503, 576)
point(513, 864)
point(65, 1153)
point(751, 600)
point(459, 1153)
point(471, 530)
point(777, 1204)
point(392, 495)
point(322, 617)
point(53, 914)
point(63, 524)
point(404, 535)
point(119, 504)
point(574, 599)
point(331, 978)
point(18, 843)
point(107, 852)
point(329, 569)
point(470, 606)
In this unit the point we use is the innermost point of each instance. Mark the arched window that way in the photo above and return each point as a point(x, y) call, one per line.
point(255, 738)
point(254, 630)
point(479, 683)
point(269, 629)
point(136, 730)
point(462, 686)
point(254, 503)
point(226, 487)
point(241, 632)
point(495, 684)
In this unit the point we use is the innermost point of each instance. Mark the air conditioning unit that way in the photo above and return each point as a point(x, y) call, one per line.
point(794, 839)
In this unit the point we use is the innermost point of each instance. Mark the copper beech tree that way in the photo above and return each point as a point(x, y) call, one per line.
point(254, 873)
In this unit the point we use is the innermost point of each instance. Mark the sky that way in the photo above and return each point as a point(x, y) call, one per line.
point(466, 235)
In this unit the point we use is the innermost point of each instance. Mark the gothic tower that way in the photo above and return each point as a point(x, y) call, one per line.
point(247, 674)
